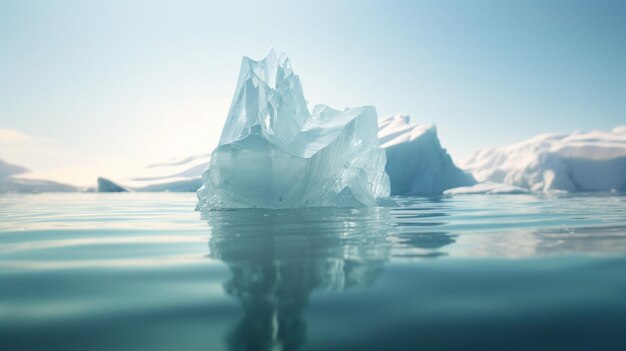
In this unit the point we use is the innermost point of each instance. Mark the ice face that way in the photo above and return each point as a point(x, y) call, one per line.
point(274, 153)
point(416, 162)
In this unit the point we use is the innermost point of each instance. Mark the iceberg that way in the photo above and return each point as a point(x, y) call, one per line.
point(24, 185)
point(487, 188)
point(108, 186)
point(580, 161)
point(8, 169)
point(274, 153)
point(15, 179)
point(177, 175)
point(416, 162)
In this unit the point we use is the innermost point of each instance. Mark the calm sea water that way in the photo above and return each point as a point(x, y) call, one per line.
point(147, 272)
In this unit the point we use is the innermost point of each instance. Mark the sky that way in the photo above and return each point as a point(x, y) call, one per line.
point(102, 88)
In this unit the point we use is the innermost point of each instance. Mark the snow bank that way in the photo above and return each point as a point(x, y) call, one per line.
point(416, 162)
point(581, 161)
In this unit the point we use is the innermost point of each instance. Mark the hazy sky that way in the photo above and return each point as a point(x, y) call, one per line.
point(99, 88)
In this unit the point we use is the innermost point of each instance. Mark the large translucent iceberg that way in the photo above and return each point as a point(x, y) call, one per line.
point(274, 153)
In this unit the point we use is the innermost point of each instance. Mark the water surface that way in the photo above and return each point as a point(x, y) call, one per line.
point(146, 272)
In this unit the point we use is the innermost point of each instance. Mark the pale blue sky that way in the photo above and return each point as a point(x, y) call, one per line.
point(96, 87)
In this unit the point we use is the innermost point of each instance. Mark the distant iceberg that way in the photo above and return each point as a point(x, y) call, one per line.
point(7, 170)
point(14, 179)
point(416, 162)
point(177, 175)
point(108, 186)
point(580, 161)
point(274, 153)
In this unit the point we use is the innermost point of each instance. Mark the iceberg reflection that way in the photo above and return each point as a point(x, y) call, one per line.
point(278, 258)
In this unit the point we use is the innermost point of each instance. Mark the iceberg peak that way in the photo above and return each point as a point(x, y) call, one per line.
point(275, 153)
point(269, 98)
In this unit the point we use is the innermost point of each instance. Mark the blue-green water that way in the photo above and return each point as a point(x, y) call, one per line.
point(146, 272)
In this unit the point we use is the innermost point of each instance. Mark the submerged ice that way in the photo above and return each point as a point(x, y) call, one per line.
point(275, 153)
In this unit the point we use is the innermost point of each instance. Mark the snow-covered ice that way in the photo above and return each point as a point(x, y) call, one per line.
point(488, 188)
point(416, 162)
point(274, 153)
point(580, 161)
